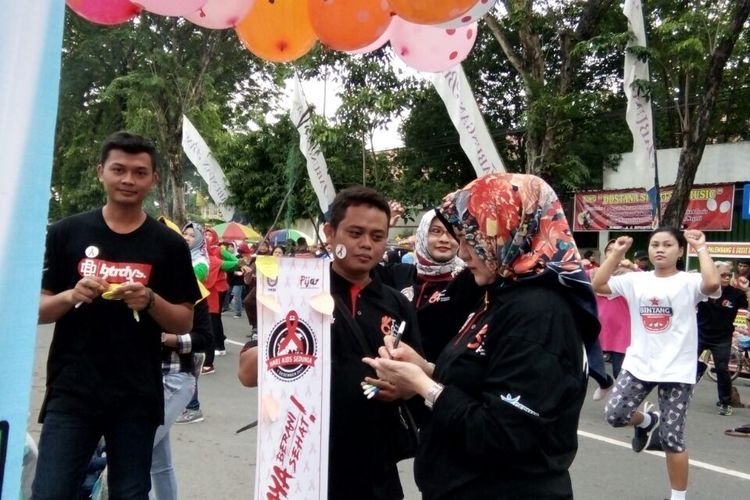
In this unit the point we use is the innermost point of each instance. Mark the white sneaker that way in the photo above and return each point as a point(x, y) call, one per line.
point(222, 352)
point(600, 393)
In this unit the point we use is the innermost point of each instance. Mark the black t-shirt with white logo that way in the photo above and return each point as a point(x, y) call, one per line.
point(716, 316)
point(102, 360)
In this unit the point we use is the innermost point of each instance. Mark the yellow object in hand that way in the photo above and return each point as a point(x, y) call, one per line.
point(111, 290)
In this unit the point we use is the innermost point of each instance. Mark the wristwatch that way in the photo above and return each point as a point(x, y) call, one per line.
point(432, 395)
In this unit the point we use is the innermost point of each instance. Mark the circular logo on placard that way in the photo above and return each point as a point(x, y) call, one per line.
point(91, 252)
point(291, 349)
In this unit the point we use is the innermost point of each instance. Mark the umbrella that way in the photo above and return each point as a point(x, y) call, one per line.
point(280, 236)
point(236, 231)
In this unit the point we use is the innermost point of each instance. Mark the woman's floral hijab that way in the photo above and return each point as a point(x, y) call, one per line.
point(516, 221)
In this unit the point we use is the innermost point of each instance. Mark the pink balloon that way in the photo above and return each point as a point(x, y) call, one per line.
point(220, 14)
point(109, 12)
point(171, 7)
point(429, 48)
point(473, 15)
point(382, 40)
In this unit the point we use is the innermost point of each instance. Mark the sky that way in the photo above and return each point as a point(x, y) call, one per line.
point(324, 96)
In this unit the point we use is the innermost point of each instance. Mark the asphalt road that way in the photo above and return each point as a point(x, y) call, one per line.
point(213, 462)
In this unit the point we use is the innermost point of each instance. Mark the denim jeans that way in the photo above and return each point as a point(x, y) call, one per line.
point(68, 441)
point(178, 389)
point(237, 296)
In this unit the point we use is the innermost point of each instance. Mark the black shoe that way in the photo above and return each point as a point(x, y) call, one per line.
point(641, 436)
point(654, 442)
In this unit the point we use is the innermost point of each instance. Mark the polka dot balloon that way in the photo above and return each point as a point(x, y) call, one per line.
point(170, 7)
point(220, 14)
point(473, 15)
point(430, 48)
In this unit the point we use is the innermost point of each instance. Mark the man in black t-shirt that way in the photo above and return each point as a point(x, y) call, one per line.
point(715, 328)
point(114, 279)
point(364, 437)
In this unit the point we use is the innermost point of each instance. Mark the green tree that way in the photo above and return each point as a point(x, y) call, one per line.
point(144, 76)
point(692, 47)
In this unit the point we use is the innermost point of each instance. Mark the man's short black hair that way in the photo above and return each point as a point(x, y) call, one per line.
point(129, 143)
point(355, 196)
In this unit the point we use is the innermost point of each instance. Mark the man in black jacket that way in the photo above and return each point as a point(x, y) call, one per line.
point(364, 434)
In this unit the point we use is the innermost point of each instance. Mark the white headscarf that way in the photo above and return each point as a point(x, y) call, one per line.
point(427, 266)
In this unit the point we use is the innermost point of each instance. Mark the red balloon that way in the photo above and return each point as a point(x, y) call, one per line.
point(109, 12)
point(277, 30)
point(349, 25)
point(431, 11)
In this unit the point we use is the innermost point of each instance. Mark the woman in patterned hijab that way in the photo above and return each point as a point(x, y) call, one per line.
point(516, 226)
point(507, 390)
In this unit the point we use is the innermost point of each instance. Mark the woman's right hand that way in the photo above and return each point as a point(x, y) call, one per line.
point(404, 352)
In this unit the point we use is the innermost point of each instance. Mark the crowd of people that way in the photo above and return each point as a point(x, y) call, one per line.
point(504, 323)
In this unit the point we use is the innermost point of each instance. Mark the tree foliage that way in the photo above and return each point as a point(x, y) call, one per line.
point(143, 76)
point(546, 74)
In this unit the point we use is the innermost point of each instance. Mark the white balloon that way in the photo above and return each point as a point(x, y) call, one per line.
point(472, 15)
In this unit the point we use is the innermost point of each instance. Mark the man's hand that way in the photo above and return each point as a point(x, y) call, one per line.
point(136, 296)
point(397, 211)
point(87, 289)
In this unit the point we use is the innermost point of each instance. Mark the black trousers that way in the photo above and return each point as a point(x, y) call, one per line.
point(720, 352)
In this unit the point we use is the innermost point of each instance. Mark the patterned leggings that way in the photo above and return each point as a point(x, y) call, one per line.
point(629, 392)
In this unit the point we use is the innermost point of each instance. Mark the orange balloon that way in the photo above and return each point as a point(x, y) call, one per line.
point(277, 30)
point(431, 11)
point(348, 24)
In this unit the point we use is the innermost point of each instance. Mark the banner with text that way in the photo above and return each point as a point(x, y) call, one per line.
point(200, 155)
point(638, 114)
point(317, 168)
point(294, 324)
point(725, 250)
point(476, 141)
point(710, 209)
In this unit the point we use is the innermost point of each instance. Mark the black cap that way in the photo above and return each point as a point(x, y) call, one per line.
point(640, 254)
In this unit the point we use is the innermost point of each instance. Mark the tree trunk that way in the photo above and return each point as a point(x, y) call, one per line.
point(696, 135)
point(529, 61)
point(179, 213)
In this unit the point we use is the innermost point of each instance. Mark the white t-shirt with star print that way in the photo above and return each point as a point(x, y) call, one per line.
point(664, 326)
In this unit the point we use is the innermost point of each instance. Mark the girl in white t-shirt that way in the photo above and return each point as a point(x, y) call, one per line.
point(664, 339)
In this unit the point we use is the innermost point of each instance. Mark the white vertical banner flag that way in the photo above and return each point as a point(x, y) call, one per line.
point(200, 155)
point(31, 41)
point(638, 114)
point(476, 141)
point(294, 371)
point(317, 168)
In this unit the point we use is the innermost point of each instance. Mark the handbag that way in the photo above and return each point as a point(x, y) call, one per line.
point(407, 435)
